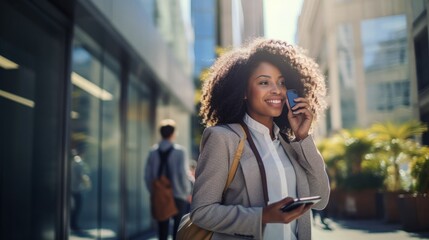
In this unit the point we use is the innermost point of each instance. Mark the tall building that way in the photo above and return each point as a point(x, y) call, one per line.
point(364, 51)
point(83, 84)
point(220, 24)
point(419, 26)
point(239, 21)
point(204, 21)
point(223, 23)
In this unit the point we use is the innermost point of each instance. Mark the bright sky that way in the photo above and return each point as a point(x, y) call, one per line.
point(281, 18)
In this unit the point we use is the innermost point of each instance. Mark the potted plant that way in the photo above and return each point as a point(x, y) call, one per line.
point(420, 169)
point(332, 150)
point(392, 146)
point(414, 207)
point(355, 178)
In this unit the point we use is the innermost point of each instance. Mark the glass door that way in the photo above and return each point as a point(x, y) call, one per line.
point(95, 141)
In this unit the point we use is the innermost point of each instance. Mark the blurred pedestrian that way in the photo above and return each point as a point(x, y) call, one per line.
point(177, 171)
point(192, 167)
point(247, 87)
point(80, 183)
point(322, 217)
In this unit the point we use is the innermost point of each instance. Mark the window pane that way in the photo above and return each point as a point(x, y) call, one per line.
point(110, 153)
point(85, 132)
point(31, 101)
point(385, 55)
point(95, 143)
point(385, 42)
point(138, 144)
point(346, 74)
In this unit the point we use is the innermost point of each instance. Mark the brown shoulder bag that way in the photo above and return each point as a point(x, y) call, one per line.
point(162, 202)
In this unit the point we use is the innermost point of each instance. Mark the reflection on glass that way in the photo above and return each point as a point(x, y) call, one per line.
point(90, 88)
point(85, 132)
point(32, 67)
point(95, 143)
point(385, 42)
point(390, 95)
point(385, 56)
point(7, 64)
point(346, 74)
point(204, 23)
point(80, 183)
point(110, 151)
point(139, 134)
point(17, 99)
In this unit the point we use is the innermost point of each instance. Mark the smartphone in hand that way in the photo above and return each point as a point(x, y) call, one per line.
point(291, 95)
point(300, 201)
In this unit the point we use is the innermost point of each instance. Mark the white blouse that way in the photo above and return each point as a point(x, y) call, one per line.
point(281, 178)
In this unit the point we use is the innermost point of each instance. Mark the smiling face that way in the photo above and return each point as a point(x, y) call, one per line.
point(266, 93)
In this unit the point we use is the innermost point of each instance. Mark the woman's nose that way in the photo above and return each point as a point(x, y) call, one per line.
point(276, 89)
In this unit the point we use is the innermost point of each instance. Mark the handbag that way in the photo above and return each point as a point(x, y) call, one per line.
point(187, 229)
point(163, 205)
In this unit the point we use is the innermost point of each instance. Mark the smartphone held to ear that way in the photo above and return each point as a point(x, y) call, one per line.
point(291, 95)
point(300, 201)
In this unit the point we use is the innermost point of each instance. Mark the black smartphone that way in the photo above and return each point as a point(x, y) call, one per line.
point(291, 95)
point(299, 201)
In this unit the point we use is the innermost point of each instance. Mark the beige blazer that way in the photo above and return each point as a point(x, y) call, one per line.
point(239, 215)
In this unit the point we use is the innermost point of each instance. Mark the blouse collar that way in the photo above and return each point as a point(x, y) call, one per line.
point(259, 127)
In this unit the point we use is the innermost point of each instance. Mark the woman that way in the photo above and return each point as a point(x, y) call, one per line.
point(249, 85)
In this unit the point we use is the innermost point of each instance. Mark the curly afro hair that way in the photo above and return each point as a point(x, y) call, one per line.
point(224, 90)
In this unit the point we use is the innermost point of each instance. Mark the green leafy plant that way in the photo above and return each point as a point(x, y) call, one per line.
point(357, 145)
point(346, 155)
point(419, 169)
point(332, 150)
point(372, 158)
point(392, 145)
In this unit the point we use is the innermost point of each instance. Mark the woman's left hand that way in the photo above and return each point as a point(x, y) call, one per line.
point(273, 213)
point(300, 118)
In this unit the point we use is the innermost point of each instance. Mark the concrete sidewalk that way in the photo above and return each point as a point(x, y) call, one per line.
point(362, 229)
point(353, 230)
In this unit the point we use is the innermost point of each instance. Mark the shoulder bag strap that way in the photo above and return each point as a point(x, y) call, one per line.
point(259, 160)
point(235, 162)
point(163, 156)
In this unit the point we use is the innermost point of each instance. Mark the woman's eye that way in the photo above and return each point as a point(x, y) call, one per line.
point(263, 83)
point(282, 83)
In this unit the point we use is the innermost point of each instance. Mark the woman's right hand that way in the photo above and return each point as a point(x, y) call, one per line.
point(273, 214)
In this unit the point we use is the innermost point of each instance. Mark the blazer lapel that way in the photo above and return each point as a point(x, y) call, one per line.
point(288, 149)
point(250, 169)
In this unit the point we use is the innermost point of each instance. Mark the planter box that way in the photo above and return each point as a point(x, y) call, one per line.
point(361, 204)
point(414, 209)
point(391, 206)
point(335, 207)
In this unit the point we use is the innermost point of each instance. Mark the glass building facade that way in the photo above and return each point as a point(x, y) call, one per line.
point(347, 75)
point(32, 121)
point(385, 60)
point(204, 21)
point(366, 49)
point(384, 47)
point(80, 103)
point(420, 38)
